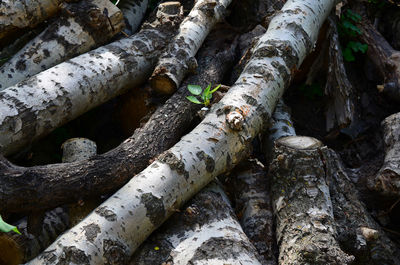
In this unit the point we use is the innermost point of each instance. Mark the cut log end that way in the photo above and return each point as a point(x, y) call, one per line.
point(300, 142)
point(163, 84)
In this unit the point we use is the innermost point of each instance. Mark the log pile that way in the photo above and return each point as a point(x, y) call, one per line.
point(223, 181)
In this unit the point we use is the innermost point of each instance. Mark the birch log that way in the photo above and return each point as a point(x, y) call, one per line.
point(34, 107)
point(64, 183)
point(83, 27)
point(387, 180)
point(205, 232)
point(116, 228)
point(251, 188)
point(178, 59)
point(133, 11)
point(19, 14)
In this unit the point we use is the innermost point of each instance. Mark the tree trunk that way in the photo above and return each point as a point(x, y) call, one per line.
point(178, 59)
point(35, 107)
point(83, 27)
point(204, 232)
point(65, 182)
point(133, 11)
point(120, 224)
point(19, 14)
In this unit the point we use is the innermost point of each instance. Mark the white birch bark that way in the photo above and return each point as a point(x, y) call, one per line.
point(19, 14)
point(116, 228)
point(133, 11)
point(179, 59)
point(204, 232)
point(34, 107)
point(81, 28)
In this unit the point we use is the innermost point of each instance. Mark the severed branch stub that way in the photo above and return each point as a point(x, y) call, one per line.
point(178, 59)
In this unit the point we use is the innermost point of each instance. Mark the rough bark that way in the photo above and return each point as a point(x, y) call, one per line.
point(178, 59)
point(133, 11)
point(19, 14)
point(251, 188)
point(387, 180)
point(118, 226)
point(358, 232)
point(78, 149)
point(340, 108)
point(82, 27)
point(36, 106)
point(48, 186)
point(302, 204)
point(385, 59)
point(390, 26)
point(204, 232)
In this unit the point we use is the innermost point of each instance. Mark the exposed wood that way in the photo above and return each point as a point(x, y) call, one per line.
point(82, 27)
point(251, 189)
point(387, 180)
point(133, 11)
point(122, 222)
point(306, 232)
point(19, 14)
point(38, 105)
point(204, 232)
point(64, 183)
point(178, 59)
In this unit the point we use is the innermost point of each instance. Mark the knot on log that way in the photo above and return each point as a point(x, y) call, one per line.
point(235, 120)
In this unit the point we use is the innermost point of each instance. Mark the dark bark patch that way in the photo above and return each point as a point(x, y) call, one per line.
point(72, 255)
point(106, 213)
point(208, 160)
point(155, 210)
point(174, 163)
point(250, 100)
point(20, 65)
point(115, 252)
point(91, 231)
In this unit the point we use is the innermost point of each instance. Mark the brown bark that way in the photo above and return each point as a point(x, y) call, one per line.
point(43, 187)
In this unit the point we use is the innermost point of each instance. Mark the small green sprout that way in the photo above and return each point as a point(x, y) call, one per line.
point(4, 227)
point(205, 95)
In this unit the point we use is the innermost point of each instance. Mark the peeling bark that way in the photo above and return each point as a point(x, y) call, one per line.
point(34, 107)
point(178, 60)
point(133, 11)
point(64, 183)
point(251, 187)
point(387, 180)
point(358, 233)
point(82, 27)
point(302, 204)
point(19, 14)
point(204, 232)
point(124, 220)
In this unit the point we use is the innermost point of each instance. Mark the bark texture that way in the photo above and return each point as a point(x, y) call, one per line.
point(133, 11)
point(33, 108)
point(49, 186)
point(178, 60)
point(204, 232)
point(121, 223)
point(305, 224)
point(19, 14)
point(253, 204)
point(387, 181)
point(78, 149)
point(82, 27)
point(357, 232)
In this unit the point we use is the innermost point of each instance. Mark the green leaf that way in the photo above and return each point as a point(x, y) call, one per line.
point(194, 99)
point(206, 92)
point(215, 89)
point(353, 16)
point(348, 55)
point(194, 89)
point(350, 26)
point(4, 227)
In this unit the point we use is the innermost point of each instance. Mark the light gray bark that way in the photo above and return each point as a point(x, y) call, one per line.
point(116, 228)
point(178, 59)
point(19, 14)
point(204, 232)
point(78, 149)
point(133, 11)
point(82, 27)
point(387, 181)
point(251, 189)
point(34, 107)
